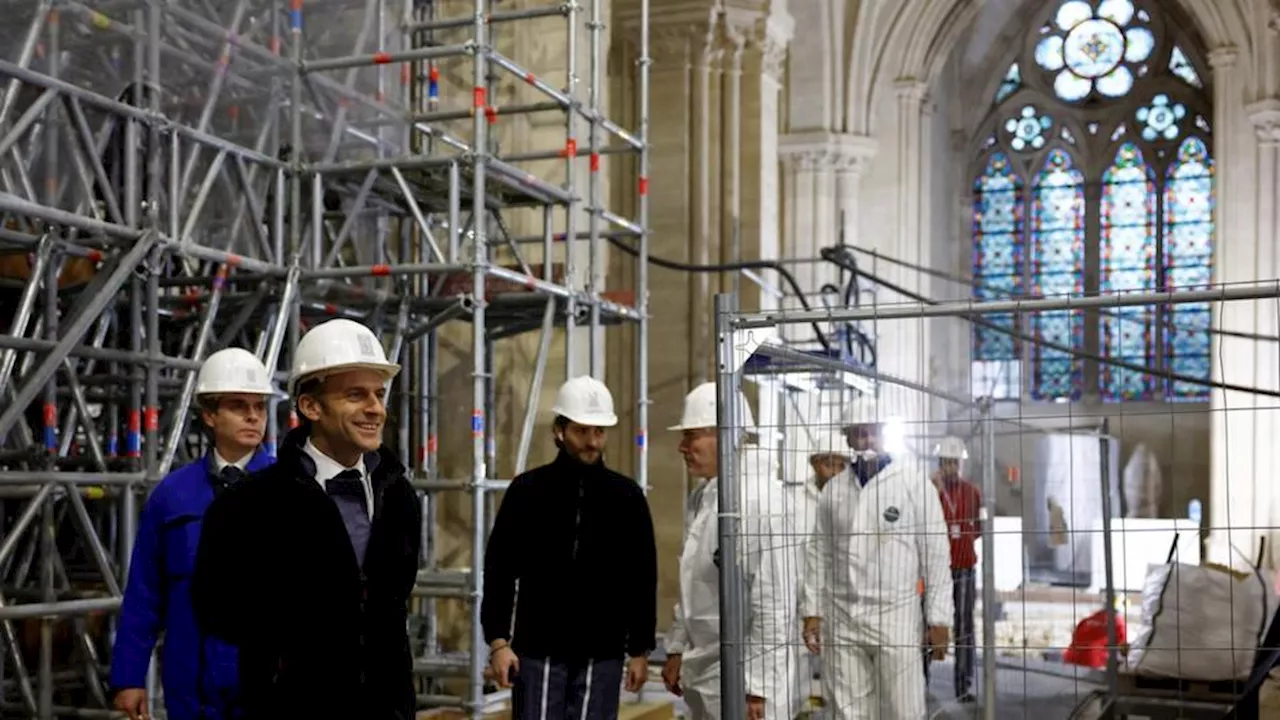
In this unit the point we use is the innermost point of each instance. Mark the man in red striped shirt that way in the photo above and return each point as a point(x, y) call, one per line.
point(962, 507)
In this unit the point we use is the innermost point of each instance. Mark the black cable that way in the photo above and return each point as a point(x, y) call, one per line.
point(838, 256)
point(972, 282)
point(731, 267)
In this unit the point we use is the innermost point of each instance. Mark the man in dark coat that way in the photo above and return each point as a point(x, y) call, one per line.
point(578, 538)
point(307, 567)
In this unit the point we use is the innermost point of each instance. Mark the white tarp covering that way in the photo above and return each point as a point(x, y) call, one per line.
point(1202, 622)
point(1143, 485)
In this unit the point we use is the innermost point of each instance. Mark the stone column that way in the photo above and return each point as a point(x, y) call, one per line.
point(822, 171)
point(675, 191)
point(707, 57)
point(902, 345)
point(1243, 425)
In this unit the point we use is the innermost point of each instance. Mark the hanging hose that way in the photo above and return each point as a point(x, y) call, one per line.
point(732, 267)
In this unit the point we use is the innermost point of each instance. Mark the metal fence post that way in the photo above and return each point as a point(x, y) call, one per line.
point(733, 693)
point(987, 409)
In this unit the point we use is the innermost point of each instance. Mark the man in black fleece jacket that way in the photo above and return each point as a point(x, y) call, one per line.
point(578, 538)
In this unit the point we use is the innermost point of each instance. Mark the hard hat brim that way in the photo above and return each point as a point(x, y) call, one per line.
point(389, 371)
point(235, 391)
point(602, 420)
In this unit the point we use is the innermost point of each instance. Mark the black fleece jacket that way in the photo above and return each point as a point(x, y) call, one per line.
point(579, 539)
point(276, 576)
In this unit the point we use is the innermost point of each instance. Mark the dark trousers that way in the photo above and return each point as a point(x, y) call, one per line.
point(964, 591)
point(549, 689)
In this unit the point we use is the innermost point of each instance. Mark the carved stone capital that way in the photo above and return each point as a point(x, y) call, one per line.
point(755, 31)
point(1265, 116)
point(1221, 58)
point(773, 57)
point(911, 90)
point(837, 152)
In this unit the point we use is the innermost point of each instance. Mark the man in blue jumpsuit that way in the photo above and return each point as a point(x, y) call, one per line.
point(198, 673)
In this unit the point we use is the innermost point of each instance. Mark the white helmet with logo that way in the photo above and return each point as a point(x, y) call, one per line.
point(951, 448)
point(586, 401)
point(700, 410)
point(339, 345)
point(862, 410)
point(233, 370)
point(830, 441)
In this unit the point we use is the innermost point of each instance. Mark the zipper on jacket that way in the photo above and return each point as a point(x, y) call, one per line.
point(577, 518)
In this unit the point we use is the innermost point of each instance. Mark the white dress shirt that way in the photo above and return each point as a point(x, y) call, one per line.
point(327, 467)
point(220, 462)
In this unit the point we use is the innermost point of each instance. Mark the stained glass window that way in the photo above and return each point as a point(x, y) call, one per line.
point(1041, 229)
point(1012, 81)
point(1128, 234)
point(1161, 118)
point(1028, 129)
point(1179, 65)
point(1057, 269)
point(997, 252)
point(1095, 48)
point(1188, 254)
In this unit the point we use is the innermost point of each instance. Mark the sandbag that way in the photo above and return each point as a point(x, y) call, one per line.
point(1202, 622)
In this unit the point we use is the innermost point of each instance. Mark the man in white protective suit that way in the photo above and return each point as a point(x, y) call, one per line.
point(828, 457)
point(693, 668)
point(878, 531)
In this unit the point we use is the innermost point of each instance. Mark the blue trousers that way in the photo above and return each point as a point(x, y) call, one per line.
point(549, 689)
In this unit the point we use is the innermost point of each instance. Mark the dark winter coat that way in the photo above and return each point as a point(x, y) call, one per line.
point(276, 575)
point(579, 539)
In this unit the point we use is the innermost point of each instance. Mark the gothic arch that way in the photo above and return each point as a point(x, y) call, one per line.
point(914, 39)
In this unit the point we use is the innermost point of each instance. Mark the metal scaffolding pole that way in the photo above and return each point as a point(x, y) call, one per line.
point(189, 177)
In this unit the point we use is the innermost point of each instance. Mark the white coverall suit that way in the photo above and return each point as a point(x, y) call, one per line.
point(768, 560)
point(870, 547)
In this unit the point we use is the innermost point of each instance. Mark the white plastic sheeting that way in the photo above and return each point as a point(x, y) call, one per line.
point(1139, 543)
point(1143, 484)
point(1065, 486)
point(1201, 622)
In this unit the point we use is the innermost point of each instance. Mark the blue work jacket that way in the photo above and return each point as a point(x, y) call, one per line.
point(199, 673)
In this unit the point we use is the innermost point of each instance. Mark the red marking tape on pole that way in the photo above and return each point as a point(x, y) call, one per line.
point(595, 162)
point(643, 186)
point(477, 97)
point(380, 270)
point(151, 419)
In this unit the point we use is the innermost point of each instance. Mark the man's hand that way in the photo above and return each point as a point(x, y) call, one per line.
point(939, 637)
point(502, 662)
point(671, 674)
point(133, 702)
point(755, 707)
point(812, 634)
point(637, 673)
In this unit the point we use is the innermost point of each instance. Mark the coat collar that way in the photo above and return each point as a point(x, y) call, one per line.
point(379, 464)
point(259, 460)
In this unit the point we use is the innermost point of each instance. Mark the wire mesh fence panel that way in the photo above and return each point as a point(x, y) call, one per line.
point(1079, 532)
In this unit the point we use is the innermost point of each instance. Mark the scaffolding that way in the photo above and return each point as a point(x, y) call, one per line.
point(184, 176)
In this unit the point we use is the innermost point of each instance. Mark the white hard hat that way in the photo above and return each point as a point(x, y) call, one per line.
point(829, 441)
point(586, 401)
point(700, 410)
point(863, 410)
point(339, 344)
point(233, 370)
point(951, 447)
